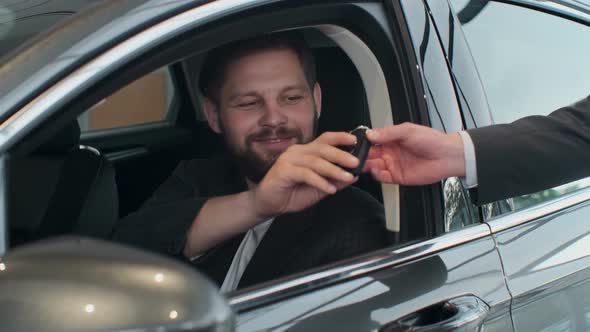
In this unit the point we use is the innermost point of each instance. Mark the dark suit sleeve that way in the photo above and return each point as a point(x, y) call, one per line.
point(533, 153)
point(162, 223)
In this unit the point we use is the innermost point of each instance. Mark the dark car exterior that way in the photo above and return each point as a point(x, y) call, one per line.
point(520, 264)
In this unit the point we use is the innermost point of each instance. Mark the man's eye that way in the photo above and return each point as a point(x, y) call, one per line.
point(294, 99)
point(249, 104)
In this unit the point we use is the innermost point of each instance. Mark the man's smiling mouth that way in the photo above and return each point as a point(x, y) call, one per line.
point(272, 140)
point(275, 144)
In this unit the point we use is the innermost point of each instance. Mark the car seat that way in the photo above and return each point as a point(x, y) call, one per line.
point(61, 188)
point(344, 102)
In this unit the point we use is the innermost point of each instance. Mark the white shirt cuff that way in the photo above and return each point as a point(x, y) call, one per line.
point(470, 179)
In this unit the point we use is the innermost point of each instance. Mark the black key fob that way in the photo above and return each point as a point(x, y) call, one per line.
point(360, 149)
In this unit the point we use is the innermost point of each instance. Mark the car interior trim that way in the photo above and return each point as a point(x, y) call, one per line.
point(506, 221)
point(379, 104)
point(127, 154)
point(250, 298)
point(90, 148)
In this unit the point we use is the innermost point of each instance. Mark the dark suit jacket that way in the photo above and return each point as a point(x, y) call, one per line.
point(533, 153)
point(348, 223)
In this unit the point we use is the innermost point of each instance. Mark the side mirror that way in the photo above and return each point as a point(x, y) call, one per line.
point(78, 284)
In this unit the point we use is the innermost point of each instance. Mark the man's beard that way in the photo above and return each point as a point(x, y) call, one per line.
point(251, 164)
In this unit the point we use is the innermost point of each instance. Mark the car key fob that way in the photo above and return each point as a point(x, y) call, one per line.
point(360, 149)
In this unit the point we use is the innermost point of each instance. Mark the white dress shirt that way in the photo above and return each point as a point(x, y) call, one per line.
point(470, 179)
point(243, 255)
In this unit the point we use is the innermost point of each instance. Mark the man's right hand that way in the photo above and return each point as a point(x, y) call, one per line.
point(301, 176)
point(304, 174)
point(410, 154)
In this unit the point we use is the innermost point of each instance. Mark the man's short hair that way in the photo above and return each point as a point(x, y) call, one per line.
point(217, 61)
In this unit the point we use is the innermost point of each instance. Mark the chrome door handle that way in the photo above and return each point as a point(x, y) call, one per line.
point(465, 313)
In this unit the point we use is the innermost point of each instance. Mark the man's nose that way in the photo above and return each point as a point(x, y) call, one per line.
point(273, 115)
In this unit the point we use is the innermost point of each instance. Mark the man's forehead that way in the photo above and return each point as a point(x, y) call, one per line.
point(253, 62)
point(273, 70)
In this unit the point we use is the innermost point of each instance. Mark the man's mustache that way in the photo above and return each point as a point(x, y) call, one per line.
point(275, 133)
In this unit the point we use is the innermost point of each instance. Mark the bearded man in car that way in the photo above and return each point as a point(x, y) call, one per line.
point(279, 200)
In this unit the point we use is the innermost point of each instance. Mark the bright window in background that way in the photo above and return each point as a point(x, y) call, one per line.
point(146, 100)
point(530, 62)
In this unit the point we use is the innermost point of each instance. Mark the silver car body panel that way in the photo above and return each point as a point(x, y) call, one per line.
point(443, 106)
point(543, 248)
point(504, 222)
point(380, 260)
point(68, 284)
point(546, 261)
point(468, 84)
point(573, 8)
point(369, 302)
point(43, 106)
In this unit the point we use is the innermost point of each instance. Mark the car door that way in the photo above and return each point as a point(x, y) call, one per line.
point(533, 59)
point(412, 285)
point(442, 271)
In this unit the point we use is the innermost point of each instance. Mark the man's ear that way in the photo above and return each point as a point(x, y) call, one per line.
point(317, 98)
point(212, 114)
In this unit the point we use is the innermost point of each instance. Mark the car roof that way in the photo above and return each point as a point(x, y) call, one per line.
point(22, 20)
point(571, 7)
point(574, 9)
point(98, 25)
point(44, 59)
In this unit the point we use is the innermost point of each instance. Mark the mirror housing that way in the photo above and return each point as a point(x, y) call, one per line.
point(78, 284)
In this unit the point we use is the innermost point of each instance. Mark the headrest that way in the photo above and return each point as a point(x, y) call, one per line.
point(344, 105)
point(63, 141)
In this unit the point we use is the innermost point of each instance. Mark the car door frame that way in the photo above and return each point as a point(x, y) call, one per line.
point(383, 265)
point(535, 283)
point(474, 240)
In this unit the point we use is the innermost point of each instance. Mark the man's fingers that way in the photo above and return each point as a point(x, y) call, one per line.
point(332, 154)
point(336, 138)
point(374, 152)
point(381, 175)
point(325, 168)
point(374, 164)
point(385, 176)
point(335, 155)
point(341, 185)
point(312, 179)
point(390, 134)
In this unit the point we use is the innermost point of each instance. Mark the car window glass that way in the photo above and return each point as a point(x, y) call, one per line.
point(459, 212)
point(530, 63)
point(146, 100)
point(149, 100)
